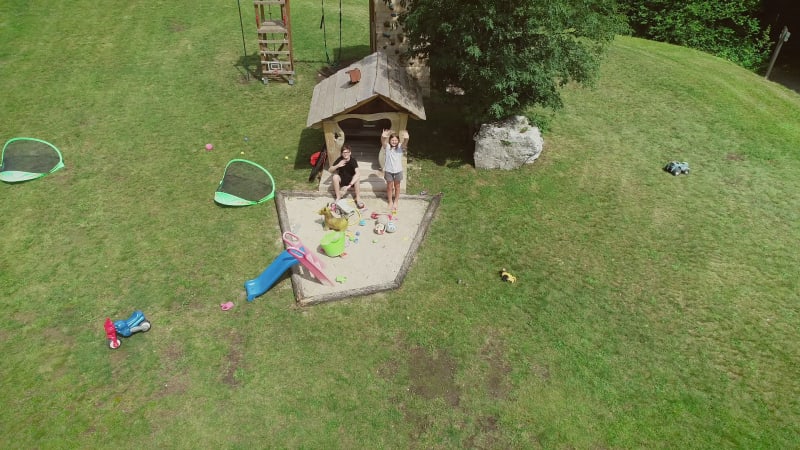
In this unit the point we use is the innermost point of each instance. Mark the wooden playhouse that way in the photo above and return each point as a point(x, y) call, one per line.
point(355, 104)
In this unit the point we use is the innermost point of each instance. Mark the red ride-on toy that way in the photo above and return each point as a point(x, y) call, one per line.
point(133, 324)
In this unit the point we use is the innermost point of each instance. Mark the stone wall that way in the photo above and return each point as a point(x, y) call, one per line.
point(390, 39)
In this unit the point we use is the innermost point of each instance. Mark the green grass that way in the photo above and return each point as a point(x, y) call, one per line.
point(651, 311)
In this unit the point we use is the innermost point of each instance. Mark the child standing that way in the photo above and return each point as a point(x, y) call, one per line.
point(393, 146)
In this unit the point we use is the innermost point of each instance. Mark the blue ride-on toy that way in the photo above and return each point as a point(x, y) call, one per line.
point(676, 168)
point(133, 324)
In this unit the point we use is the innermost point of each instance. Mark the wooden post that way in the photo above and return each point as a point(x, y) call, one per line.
point(402, 122)
point(783, 38)
point(330, 128)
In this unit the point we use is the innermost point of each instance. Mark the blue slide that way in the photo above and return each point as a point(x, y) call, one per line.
point(270, 275)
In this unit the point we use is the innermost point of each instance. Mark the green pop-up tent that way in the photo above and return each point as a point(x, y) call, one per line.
point(28, 159)
point(244, 183)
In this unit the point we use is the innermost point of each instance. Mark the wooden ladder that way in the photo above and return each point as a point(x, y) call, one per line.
point(274, 39)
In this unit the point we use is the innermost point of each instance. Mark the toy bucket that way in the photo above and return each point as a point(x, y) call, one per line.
point(333, 243)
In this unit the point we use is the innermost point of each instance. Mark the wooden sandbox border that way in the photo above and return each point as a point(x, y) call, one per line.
point(422, 230)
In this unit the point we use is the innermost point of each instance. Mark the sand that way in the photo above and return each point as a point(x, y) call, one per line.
point(371, 262)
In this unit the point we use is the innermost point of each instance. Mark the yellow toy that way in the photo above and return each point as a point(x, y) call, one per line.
point(331, 222)
point(505, 276)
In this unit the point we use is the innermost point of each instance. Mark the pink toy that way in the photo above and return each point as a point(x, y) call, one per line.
point(376, 215)
point(209, 147)
point(307, 260)
point(292, 240)
point(111, 334)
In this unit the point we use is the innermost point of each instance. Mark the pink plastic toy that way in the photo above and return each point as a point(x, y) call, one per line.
point(292, 240)
point(111, 334)
point(307, 260)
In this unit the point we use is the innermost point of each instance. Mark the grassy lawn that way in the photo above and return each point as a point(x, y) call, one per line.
point(651, 311)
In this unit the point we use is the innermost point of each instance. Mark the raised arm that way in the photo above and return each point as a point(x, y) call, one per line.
point(403, 138)
point(385, 137)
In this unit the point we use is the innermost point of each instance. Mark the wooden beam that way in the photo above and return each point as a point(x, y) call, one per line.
point(333, 145)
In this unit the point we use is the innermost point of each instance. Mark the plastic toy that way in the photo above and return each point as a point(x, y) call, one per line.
point(209, 147)
point(111, 334)
point(331, 222)
point(333, 243)
point(391, 227)
point(379, 228)
point(676, 168)
point(506, 276)
point(386, 216)
point(135, 323)
point(295, 253)
point(343, 208)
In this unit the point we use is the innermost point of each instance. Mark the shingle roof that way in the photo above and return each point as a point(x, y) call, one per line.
point(380, 77)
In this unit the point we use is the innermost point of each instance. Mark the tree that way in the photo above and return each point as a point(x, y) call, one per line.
point(729, 29)
point(508, 55)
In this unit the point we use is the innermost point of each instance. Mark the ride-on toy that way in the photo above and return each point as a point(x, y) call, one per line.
point(133, 324)
point(676, 168)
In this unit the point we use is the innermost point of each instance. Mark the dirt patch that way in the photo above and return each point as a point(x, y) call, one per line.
point(174, 382)
point(433, 376)
point(64, 177)
point(484, 436)
point(541, 371)
point(233, 359)
point(420, 423)
point(497, 383)
point(734, 157)
point(388, 370)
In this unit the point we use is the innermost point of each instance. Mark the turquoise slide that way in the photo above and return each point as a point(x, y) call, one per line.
point(270, 275)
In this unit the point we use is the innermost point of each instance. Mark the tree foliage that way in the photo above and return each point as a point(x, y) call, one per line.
point(508, 55)
point(729, 29)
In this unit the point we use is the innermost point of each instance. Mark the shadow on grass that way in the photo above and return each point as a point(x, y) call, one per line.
point(311, 141)
point(337, 59)
point(445, 137)
point(249, 66)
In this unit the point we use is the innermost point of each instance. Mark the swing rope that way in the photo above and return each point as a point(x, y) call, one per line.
point(324, 34)
point(244, 45)
point(339, 58)
point(337, 54)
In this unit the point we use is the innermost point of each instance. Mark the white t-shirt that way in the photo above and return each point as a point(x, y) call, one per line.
point(394, 158)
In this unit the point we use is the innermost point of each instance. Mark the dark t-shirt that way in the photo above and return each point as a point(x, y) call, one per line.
point(348, 171)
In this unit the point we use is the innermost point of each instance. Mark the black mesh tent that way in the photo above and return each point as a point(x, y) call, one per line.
point(244, 183)
point(26, 159)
